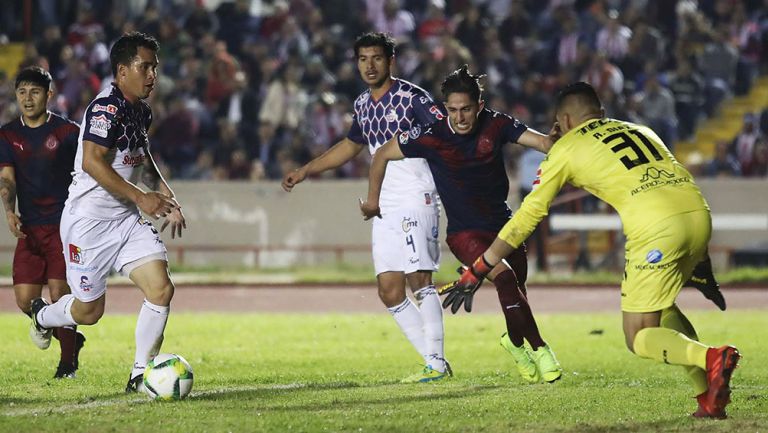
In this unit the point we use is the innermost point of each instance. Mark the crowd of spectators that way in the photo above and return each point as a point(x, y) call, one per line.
point(746, 155)
point(250, 89)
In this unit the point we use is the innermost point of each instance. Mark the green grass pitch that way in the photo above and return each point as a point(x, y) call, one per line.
point(339, 373)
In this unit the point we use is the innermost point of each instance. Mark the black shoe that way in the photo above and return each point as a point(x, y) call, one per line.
point(704, 280)
point(65, 371)
point(135, 384)
point(79, 343)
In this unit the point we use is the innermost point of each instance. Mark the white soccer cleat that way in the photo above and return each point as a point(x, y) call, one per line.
point(40, 336)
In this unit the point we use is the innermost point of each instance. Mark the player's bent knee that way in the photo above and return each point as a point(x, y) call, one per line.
point(161, 294)
point(419, 279)
point(391, 296)
point(87, 315)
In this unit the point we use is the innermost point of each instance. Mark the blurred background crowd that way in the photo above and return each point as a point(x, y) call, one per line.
point(250, 89)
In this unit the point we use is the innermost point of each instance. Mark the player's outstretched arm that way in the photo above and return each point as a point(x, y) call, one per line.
point(95, 163)
point(538, 141)
point(334, 157)
point(8, 196)
point(388, 152)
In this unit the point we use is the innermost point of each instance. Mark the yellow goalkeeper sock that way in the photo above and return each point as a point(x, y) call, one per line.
point(673, 318)
point(670, 347)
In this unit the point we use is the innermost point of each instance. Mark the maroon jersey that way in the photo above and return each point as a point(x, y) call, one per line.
point(42, 158)
point(468, 169)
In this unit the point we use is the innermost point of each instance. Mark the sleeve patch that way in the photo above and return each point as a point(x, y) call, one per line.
point(404, 137)
point(100, 126)
point(436, 112)
point(109, 108)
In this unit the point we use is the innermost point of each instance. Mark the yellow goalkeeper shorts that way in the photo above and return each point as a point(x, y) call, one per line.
point(658, 263)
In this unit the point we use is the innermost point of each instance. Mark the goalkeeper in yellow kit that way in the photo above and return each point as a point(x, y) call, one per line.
point(666, 221)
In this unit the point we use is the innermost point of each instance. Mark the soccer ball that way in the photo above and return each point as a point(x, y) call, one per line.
point(168, 377)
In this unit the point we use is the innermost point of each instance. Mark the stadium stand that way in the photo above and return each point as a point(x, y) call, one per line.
point(688, 68)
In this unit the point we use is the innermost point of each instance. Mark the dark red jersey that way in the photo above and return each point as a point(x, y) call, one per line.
point(468, 169)
point(42, 158)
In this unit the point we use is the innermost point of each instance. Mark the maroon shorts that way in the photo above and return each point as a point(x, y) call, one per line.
point(40, 256)
point(468, 245)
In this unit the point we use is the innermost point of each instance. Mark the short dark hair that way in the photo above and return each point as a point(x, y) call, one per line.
point(586, 94)
point(376, 39)
point(461, 81)
point(35, 75)
point(126, 48)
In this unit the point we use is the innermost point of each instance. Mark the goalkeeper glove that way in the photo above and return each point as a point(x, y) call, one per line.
point(462, 290)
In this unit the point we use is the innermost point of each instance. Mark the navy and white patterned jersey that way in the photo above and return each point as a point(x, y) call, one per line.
point(407, 183)
point(468, 168)
point(113, 122)
point(42, 160)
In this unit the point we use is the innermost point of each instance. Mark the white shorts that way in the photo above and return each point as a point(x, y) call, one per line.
point(94, 248)
point(405, 240)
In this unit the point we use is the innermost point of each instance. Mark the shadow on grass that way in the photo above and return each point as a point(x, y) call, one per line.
point(419, 393)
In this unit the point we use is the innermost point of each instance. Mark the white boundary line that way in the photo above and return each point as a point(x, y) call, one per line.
point(585, 222)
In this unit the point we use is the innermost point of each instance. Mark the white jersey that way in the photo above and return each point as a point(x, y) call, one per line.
point(110, 121)
point(407, 183)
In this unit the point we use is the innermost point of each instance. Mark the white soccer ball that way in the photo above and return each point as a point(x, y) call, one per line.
point(168, 377)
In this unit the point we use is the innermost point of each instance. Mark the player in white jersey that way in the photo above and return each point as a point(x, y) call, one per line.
point(102, 229)
point(404, 238)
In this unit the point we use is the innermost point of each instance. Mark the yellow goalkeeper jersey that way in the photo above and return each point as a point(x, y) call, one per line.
point(624, 164)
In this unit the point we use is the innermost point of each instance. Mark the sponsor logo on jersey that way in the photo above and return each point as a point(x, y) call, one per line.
point(655, 173)
point(100, 126)
point(654, 256)
point(403, 93)
point(404, 137)
point(656, 178)
point(408, 224)
point(391, 116)
point(51, 142)
point(85, 284)
point(75, 254)
point(19, 145)
point(427, 198)
point(436, 112)
point(484, 146)
point(111, 109)
point(654, 266)
point(134, 161)
point(423, 100)
point(414, 132)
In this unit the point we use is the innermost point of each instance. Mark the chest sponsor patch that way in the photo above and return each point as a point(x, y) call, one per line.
point(100, 126)
point(391, 116)
point(133, 160)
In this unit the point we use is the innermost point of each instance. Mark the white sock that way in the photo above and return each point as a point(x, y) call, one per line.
point(149, 333)
point(57, 314)
point(408, 318)
point(432, 317)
